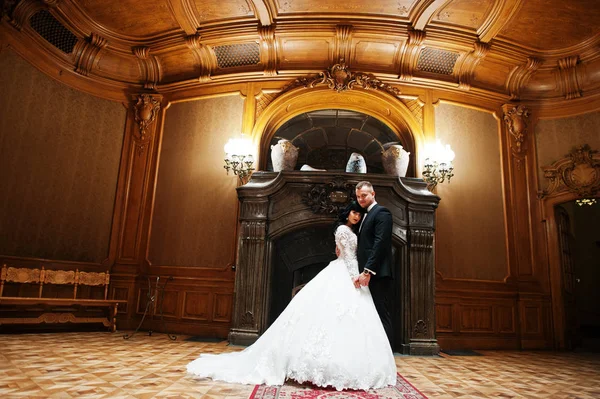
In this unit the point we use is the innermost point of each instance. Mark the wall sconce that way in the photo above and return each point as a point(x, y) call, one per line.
point(438, 164)
point(238, 157)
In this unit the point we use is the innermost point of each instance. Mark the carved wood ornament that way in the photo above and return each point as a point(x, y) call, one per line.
point(329, 198)
point(578, 172)
point(146, 109)
point(340, 78)
point(516, 123)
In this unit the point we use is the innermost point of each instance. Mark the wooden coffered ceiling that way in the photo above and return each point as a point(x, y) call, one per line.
point(533, 50)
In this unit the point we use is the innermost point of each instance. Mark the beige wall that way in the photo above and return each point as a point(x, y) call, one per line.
point(555, 138)
point(470, 235)
point(195, 213)
point(61, 150)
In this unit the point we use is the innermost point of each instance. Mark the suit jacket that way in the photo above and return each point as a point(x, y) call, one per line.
point(375, 242)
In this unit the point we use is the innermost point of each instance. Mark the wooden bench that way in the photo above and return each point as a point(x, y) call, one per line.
point(38, 310)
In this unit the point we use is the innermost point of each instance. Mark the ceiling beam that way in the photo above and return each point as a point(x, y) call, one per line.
point(499, 16)
point(184, 15)
point(261, 10)
point(421, 14)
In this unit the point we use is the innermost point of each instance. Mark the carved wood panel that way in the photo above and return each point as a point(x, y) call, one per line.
point(197, 306)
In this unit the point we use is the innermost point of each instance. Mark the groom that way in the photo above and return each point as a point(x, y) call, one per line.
point(375, 253)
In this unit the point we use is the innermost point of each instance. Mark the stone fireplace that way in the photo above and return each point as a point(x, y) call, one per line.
point(286, 238)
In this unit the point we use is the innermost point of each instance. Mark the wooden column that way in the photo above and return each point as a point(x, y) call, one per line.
point(419, 293)
point(135, 186)
point(252, 275)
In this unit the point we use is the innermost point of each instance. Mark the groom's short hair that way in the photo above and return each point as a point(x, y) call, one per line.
point(364, 183)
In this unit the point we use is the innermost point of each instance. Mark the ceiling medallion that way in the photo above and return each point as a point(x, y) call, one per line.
point(578, 172)
point(340, 78)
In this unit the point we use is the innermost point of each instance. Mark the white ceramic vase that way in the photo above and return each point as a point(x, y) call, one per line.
point(395, 160)
point(284, 155)
point(308, 168)
point(356, 164)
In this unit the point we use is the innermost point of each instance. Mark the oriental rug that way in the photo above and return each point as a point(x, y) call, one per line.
point(402, 390)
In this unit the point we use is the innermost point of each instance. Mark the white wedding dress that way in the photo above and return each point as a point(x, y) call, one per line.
point(329, 334)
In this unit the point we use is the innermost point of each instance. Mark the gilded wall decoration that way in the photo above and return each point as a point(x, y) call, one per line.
point(578, 172)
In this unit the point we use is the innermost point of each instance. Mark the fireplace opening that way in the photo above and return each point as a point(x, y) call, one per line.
point(298, 256)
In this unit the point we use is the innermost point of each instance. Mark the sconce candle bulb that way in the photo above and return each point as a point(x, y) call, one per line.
point(437, 166)
point(238, 157)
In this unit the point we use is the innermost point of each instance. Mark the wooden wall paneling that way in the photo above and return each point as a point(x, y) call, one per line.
point(222, 307)
point(372, 52)
point(444, 315)
point(535, 321)
point(143, 130)
point(298, 51)
point(197, 306)
point(477, 319)
point(515, 129)
point(506, 319)
point(168, 303)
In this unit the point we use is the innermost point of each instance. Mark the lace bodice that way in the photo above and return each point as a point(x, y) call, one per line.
point(346, 241)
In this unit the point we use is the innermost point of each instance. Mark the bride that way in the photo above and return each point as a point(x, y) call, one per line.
point(329, 334)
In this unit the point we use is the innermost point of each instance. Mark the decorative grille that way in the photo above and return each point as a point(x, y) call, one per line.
point(437, 61)
point(53, 31)
point(235, 55)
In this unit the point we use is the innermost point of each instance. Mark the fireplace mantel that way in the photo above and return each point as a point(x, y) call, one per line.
point(274, 204)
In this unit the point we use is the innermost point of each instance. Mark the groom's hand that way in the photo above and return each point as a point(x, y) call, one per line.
point(364, 278)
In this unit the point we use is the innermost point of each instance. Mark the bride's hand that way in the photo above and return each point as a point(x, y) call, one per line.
point(356, 282)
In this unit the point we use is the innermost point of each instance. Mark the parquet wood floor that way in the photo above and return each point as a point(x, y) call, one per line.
point(104, 365)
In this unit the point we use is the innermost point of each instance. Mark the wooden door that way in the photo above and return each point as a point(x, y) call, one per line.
point(565, 240)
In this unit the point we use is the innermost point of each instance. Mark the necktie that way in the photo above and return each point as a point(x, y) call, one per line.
point(362, 221)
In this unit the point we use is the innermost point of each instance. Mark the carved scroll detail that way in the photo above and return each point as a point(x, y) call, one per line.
point(343, 36)
point(520, 75)
point(340, 78)
point(568, 77)
point(145, 109)
point(20, 11)
point(268, 55)
point(247, 319)
point(466, 72)
point(410, 54)
point(329, 198)
point(202, 55)
point(578, 172)
point(420, 329)
point(86, 53)
point(516, 123)
point(149, 65)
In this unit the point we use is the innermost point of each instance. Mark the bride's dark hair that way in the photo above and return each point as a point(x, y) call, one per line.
point(344, 212)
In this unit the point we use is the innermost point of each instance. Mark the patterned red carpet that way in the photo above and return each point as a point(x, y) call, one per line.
point(402, 390)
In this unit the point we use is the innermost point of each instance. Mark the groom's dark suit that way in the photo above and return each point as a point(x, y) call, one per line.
point(375, 254)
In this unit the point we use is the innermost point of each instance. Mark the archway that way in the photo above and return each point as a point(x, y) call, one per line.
point(382, 106)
